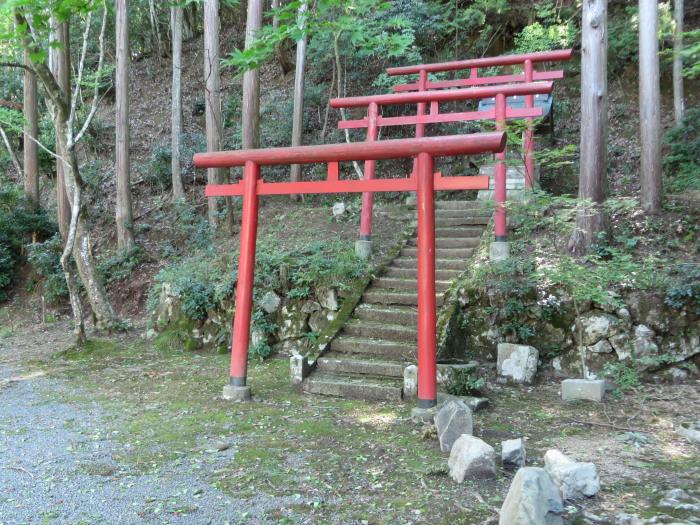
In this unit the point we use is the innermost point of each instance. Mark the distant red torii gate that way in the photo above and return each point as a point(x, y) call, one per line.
point(424, 181)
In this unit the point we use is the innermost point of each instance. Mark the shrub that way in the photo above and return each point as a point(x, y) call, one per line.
point(121, 265)
point(682, 163)
point(465, 382)
point(17, 222)
point(45, 258)
point(684, 289)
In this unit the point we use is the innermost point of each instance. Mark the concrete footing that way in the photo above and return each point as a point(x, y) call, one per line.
point(499, 251)
point(583, 389)
point(363, 249)
point(236, 393)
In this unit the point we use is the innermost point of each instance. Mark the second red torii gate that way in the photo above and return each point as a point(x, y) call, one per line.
point(424, 181)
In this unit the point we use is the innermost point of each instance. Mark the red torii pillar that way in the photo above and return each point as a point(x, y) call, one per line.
point(425, 182)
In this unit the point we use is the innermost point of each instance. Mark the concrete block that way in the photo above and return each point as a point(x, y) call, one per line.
point(299, 368)
point(499, 251)
point(410, 381)
point(584, 389)
point(517, 363)
point(363, 249)
point(236, 393)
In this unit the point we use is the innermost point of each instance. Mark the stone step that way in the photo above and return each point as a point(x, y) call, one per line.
point(351, 387)
point(512, 171)
point(512, 195)
point(405, 316)
point(340, 363)
point(384, 296)
point(441, 253)
point(395, 283)
point(462, 221)
point(452, 242)
point(459, 231)
point(398, 351)
point(440, 264)
point(376, 330)
point(456, 205)
point(452, 214)
point(413, 273)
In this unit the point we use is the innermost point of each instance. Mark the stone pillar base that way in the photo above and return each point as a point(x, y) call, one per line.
point(299, 368)
point(363, 249)
point(236, 393)
point(499, 251)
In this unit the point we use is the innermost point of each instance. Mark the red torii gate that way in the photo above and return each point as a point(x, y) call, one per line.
point(424, 181)
point(499, 114)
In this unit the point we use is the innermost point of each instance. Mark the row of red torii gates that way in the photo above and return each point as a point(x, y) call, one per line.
point(427, 95)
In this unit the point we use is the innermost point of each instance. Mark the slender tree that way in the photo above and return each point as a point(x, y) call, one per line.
point(212, 98)
point(678, 96)
point(60, 64)
point(298, 110)
point(251, 81)
point(649, 106)
point(590, 218)
point(124, 216)
point(176, 22)
point(31, 135)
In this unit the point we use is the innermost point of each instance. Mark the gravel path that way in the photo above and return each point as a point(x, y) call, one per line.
point(57, 466)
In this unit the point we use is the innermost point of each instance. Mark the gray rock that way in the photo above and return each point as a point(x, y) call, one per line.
point(533, 499)
point(573, 478)
point(310, 306)
point(328, 298)
point(452, 421)
point(338, 209)
point(622, 345)
point(270, 302)
point(583, 389)
point(518, 363)
point(423, 416)
point(691, 432)
point(628, 519)
point(596, 325)
point(318, 321)
point(410, 381)
point(601, 347)
point(513, 453)
point(643, 343)
point(471, 458)
point(294, 322)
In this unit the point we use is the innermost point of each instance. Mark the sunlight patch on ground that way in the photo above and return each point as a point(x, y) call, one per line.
point(376, 419)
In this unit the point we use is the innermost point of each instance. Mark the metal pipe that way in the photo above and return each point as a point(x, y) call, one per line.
point(415, 97)
point(427, 360)
point(503, 60)
point(381, 150)
point(500, 228)
point(246, 268)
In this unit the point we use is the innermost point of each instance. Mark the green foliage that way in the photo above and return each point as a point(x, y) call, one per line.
point(624, 375)
point(682, 163)
point(45, 258)
point(465, 382)
point(158, 170)
point(691, 54)
point(121, 265)
point(17, 222)
point(538, 37)
point(684, 289)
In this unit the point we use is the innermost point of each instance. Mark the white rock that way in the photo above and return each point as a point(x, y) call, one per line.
point(338, 209)
point(513, 452)
point(601, 347)
point(471, 458)
point(573, 478)
point(328, 298)
point(410, 381)
point(270, 302)
point(596, 326)
point(533, 499)
point(644, 344)
point(517, 362)
point(452, 421)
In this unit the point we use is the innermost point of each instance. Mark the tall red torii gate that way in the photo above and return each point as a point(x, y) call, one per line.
point(423, 181)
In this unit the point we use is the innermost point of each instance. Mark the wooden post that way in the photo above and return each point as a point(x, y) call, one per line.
point(176, 108)
point(122, 169)
point(594, 117)
point(678, 101)
point(31, 129)
point(60, 65)
point(649, 107)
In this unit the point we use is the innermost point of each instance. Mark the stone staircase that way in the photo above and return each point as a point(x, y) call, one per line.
point(367, 358)
point(515, 182)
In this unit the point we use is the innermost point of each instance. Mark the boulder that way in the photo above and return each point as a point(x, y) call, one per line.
point(644, 345)
point(294, 322)
point(338, 209)
point(533, 499)
point(518, 363)
point(471, 458)
point(513, 453)
point(270, 302)
point(601, 347)
point(328, 298)
point(583, 389)
point(622, 345)
point(452, 421)
point(596, 325)
point(318, 321)
point(573, 478)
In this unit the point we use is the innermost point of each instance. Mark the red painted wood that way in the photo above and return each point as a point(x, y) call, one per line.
point(500, 225)
point(529, 136)
point(480, 81)
point(503, 60)
point(388, 149)
point(418, 97)
point(367, 197)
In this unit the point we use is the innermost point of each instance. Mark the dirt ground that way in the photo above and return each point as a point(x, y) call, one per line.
point(140, 424)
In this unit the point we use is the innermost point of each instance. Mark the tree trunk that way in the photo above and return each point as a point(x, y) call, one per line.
point(251, 81)
point(649, 107)
point(31, 129)
point(124, 217)
point(61, 70)
point(298, 111)
point(13, 156)
point(590, 218)
point(153, 16)
point(678, 100)
point(176, 19)
point(212, 98)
